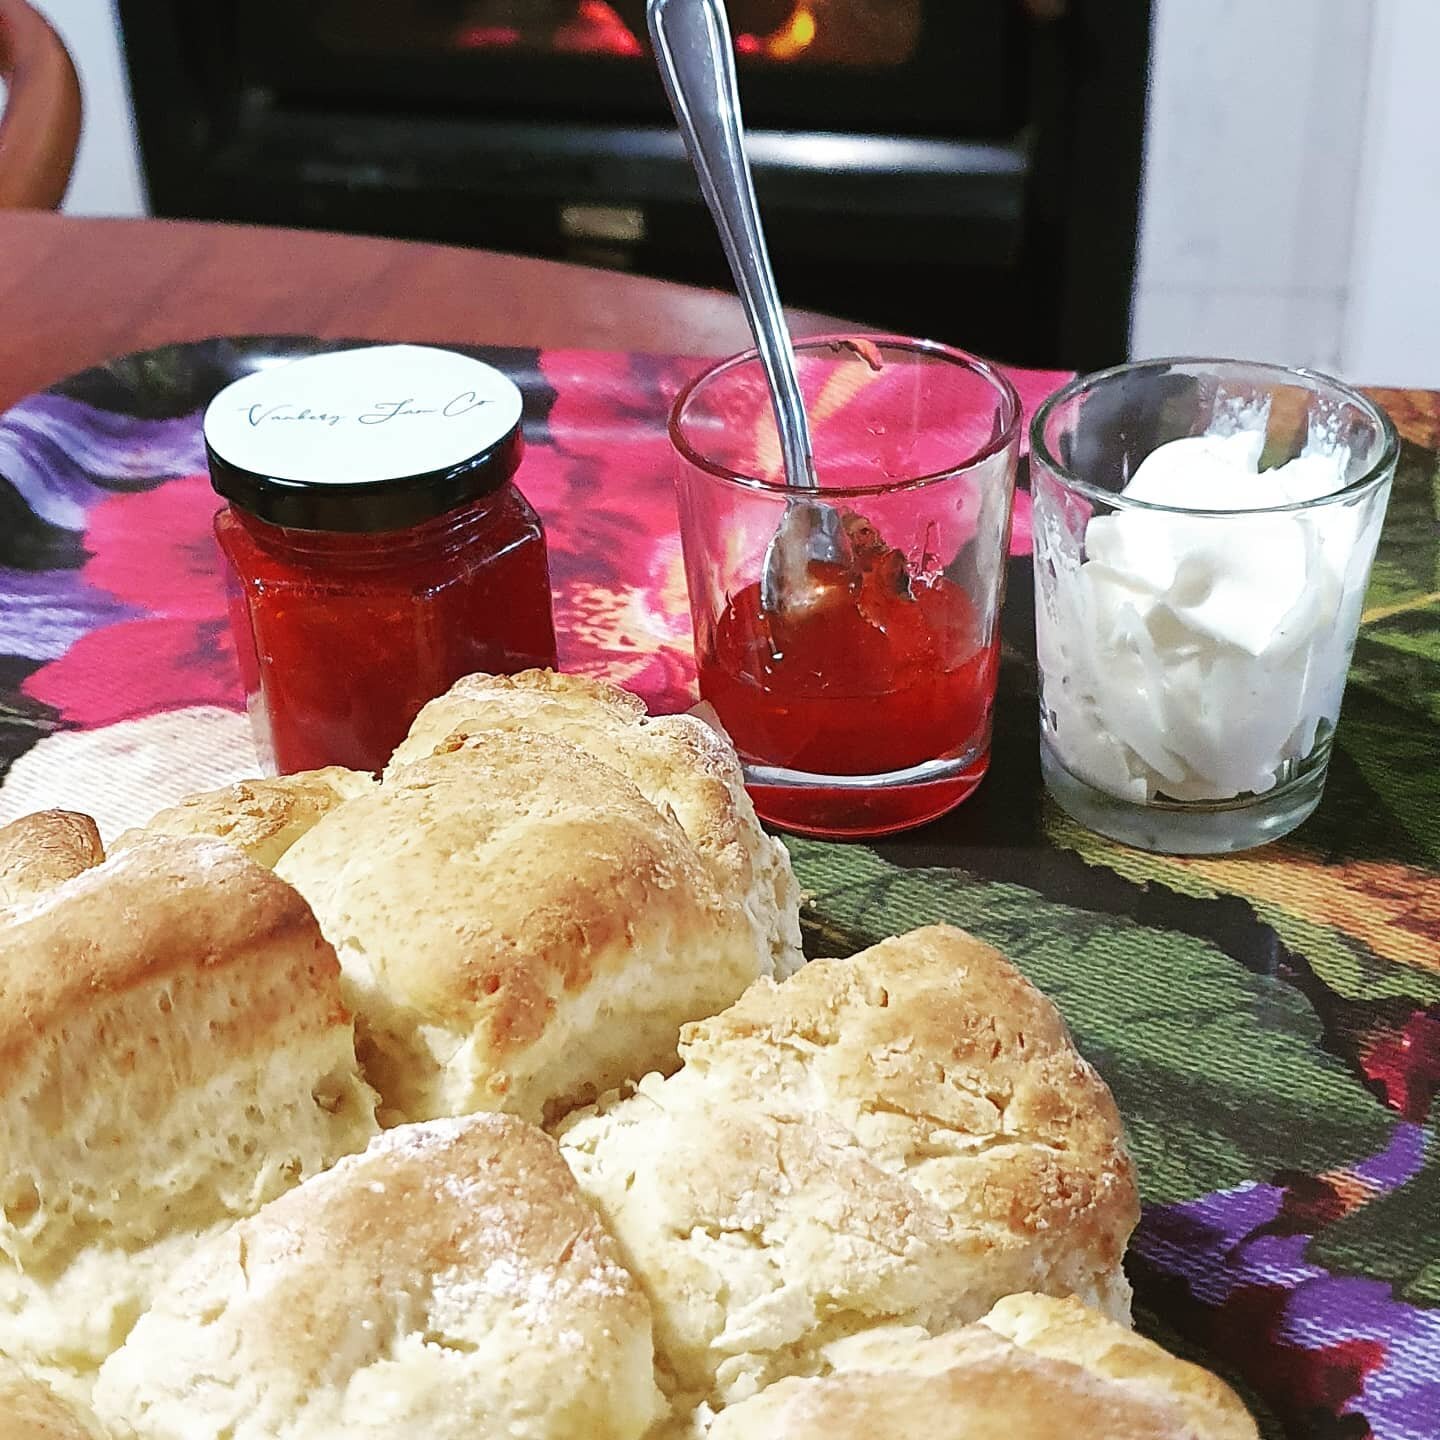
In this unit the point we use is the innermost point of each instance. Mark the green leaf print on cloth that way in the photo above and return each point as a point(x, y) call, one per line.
point(1357, 923)
point(1399, 658)
point(1392, 708)
point(1219, 1074)
point(1394, 749)
point(1407, 567)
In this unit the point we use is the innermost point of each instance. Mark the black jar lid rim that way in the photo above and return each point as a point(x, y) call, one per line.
point(367, 506)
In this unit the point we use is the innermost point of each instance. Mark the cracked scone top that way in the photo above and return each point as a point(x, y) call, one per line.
point(173, 1053)
point(518, 928)
point(41, 851)
point(1034, 1368)
point(677, 762)
point(30, 1410)
point(907, 1135)
point(264, 818)
point(449, 1283)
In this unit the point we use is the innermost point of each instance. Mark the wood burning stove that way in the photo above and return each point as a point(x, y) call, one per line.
point(943, 167)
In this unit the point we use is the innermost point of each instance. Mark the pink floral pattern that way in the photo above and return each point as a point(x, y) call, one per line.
point(155, 553)
point(598, 469)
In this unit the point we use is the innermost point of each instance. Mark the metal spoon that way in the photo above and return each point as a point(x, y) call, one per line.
point(692, 44)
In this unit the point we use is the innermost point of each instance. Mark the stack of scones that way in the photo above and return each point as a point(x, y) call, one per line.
point(492, 1098)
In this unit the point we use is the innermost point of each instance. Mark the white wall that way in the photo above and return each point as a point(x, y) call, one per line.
point(1292, 186)
point(1252, 164)
point(1392, 322)
point(107, 178)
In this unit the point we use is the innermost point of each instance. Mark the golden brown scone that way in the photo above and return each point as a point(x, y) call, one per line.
point(538, 699)
point(1066, 1330)
point(264, 818)
point(677, 762)
point(519, 928)
point(904, 1136)
point(947, 1064)
point(173, 1053)
point(1093, 1380)
point(30, 1410)
point(41, 851)
point(449, 1283)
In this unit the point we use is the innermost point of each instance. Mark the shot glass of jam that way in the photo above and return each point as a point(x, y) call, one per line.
point(860, 698)
point(378, 547)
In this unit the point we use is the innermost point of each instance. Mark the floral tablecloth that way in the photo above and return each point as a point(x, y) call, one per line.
point(1270, 1024)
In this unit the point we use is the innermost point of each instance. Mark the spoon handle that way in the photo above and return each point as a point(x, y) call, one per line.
point(692, 44)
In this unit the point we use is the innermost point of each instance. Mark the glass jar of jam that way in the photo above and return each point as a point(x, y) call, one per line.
point(378, 548)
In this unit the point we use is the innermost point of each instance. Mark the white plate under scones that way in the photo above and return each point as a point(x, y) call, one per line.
point(493, 1099)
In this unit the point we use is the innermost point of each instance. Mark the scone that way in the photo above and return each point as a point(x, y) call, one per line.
point(677, 762)
point(449, 1283)
point(40, 851)
point(1035, 1368)
point(535, 699)
point(174, 1052)
point(31, 1410)
point(264, 818)
point(519, 928)
point(905, 1136)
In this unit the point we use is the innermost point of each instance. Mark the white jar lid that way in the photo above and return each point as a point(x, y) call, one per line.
point(370, 439)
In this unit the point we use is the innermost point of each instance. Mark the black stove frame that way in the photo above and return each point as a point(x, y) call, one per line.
point(1003, 220)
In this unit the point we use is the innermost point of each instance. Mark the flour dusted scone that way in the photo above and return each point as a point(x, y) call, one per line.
point(173, 1053)
point(31, 1410)
point(677, 762)
point(264, 818)
point(449, 1283)
point(40, 851)
point(519, 928)
point(905, 1136)
point(1035, 1368)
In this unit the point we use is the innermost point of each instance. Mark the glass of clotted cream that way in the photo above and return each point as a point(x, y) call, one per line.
point(1203, 536)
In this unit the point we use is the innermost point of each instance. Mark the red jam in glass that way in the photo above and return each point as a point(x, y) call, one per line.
point(342, 638)
point(877, 673)
point(378, 549)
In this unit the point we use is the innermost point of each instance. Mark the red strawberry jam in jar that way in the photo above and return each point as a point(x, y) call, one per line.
point(378, 547)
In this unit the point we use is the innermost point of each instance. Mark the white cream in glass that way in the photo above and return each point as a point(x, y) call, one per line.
point(1204, 532)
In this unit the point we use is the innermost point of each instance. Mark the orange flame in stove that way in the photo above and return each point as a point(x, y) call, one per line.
point(596, 29)
point(792, 39)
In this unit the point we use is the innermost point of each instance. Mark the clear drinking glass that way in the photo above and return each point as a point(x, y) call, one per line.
point(1193, 660)
point(864, 705)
